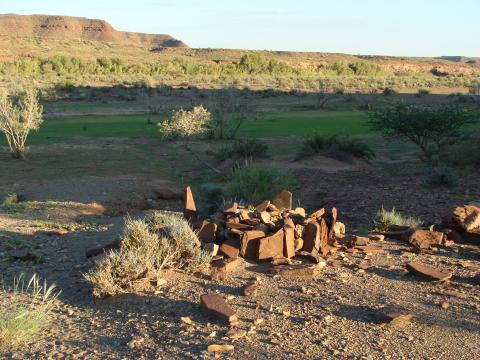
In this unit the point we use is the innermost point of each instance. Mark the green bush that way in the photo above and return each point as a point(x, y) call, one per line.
point(146, 248)
point(243, 148)
point(258, 182)
point(440, 176)
point(464, 154)
point(330, 145)
point(11, 200)
point(384, 219)
point(211, 197)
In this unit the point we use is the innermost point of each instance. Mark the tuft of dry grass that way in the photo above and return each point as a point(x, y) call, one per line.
point(24, 310)
point(147, 247)
point(384, 219)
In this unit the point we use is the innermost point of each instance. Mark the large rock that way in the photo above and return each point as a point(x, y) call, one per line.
point(231, 248)
point(289, 239)
point(283, 200)
point(189, 208)
point(272, 246)
point(215, 305)
point(311, 237)
point(424, 239)
point(428, 272)
point(467, 217)
point(207, 232)
point(249, 243)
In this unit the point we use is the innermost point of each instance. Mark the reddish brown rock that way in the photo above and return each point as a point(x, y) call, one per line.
point(249, 243)
point(272, 246)
point(221, 267)
point(424, 239)
point(207, 232)
point(428, 272)
point(467, 217)
point(295, 271)
point(238, 226)
point(189, 208)
point(355, 240)
point(250, 289)
point(394, 315)
point(311, 237)
point(289, 239)
point(265, 217)
point(231, 208)
point(215, 305)
point(263, 206)
point(369, 249)
point(281, 260)
point(231, 248)
point(316, 215)
point(283, 200)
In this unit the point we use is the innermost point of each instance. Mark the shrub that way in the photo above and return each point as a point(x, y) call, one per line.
point(146, 248)
point(19, 115)
point(384, 220)
point(24, 311)
point(11, 200)
point(440, 176)
point(428, 127)
point(465, 153)
point(185, 124)
point(389, 91)
point(333, 144)
point(210, 199)
point(258, 182)
point(244, 148)
point(422, 92)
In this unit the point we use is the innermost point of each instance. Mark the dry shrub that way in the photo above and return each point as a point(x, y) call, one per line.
point(24, 311)
point(147, 247)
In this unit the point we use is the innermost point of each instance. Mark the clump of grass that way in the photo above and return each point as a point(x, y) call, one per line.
point(440, 176)
point(11, 199)
point(147, 247)
point(258, 182)
point(243, 148)
point(331, 145)
point(385, 219)
point(24, 311)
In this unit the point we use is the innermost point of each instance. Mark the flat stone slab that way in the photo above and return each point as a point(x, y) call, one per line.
point(215, 305)
point(394, 315)
point(428, 272)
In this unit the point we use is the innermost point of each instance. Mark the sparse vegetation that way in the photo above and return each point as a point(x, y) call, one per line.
point(19, 115)
point(428, 127)
point(385, 219)
point(331, 145)
point(258, 182)
point(440, 175)
point(24, 311)
point(147, 247)
point(243, 148)
point(11, 200)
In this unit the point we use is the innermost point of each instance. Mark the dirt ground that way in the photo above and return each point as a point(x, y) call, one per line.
point(330, 315)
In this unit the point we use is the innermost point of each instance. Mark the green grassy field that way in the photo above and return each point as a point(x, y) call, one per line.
point(63, 129)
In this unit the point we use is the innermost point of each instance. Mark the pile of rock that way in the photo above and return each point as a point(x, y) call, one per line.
point(266, 230)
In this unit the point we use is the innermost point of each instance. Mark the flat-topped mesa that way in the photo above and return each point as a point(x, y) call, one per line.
point(76, 28)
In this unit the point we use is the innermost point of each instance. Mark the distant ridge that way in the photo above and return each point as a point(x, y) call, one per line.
point(70, 28)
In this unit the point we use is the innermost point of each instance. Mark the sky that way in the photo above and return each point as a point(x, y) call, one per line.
point(368, 27)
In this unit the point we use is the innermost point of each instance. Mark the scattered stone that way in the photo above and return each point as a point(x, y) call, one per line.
point(296, 271)
point(186, 320)
point(281, 260)
point(215, 305)
point(467, 217)
point(428, 272)
point(395, 316)
point(257, 322)
point(300, 211)
point(354, 241)
point(376, 237)
point(289, 239)
point(425, 239)
point(251, 289)
point(220, 348)
point(339, 228)
point(236, 334)
point(364, 265)
point(265, 217)
point(444, 304)
point(136, 342)
point(263, 206)
point(56, 232)
point(283, 200)
point(220, 268)
point(369, 249)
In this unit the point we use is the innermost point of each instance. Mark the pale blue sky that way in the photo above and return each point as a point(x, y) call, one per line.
point(389, 27)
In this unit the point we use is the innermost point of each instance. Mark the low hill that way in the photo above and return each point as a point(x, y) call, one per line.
point(47, 27)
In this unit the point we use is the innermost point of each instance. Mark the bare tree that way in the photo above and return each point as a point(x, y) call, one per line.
point(229, 112)
point(19, 114)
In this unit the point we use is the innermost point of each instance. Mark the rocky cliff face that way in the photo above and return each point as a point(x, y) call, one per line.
point(70, 28)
